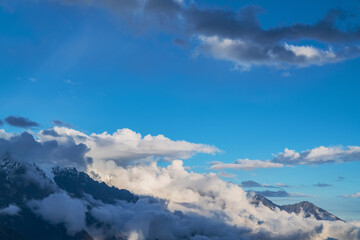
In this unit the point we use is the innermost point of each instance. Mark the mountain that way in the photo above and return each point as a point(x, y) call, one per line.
point(9, 234)
point(307, 208)
point(79, 183)
point(310, 210)
point(22, 184)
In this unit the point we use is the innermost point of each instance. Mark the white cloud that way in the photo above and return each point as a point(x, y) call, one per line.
point(195, 206)
point(60, 208)
point(206, 196)
point(245, 54)
point(315, 156)
point(12, 209)
point(311, 52)
point(355, 195)
point(125, 146)
point(5, 135)
point(246, 164)
point(319, 155)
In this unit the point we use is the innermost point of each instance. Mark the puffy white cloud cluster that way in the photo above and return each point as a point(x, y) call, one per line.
point(126, 146)
point(61, 208)
point(218, 201)
point(193, 205)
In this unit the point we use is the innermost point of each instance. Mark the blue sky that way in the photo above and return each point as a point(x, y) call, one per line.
point(87, 65)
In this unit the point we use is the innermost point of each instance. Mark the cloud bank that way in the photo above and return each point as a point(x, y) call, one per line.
point(126, 146)
point(179, 204)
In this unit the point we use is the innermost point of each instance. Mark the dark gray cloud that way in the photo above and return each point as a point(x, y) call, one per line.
point(1, 122)
point(50, 132)
point(180, 42)
point(323, 185)
point(162, 7)
point(24, 147)
point(60, 123)
point(20, 122)
point(238, 36)
point(245, 25)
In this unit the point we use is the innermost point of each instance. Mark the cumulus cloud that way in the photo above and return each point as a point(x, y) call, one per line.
point(12, 209)
point(61, 208)
point(200, 202)
point(126, 146)
point(355, 195)
point(246, 164)
point(25, 147)
point(238, 36)
point(67, 147)
point(23, 122)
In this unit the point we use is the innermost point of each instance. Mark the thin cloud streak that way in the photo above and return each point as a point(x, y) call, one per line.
point(316, 156)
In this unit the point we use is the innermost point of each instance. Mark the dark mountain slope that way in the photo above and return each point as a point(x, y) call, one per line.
point(79, 183)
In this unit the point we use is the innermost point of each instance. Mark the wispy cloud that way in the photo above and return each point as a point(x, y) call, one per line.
point(323, 185)
point(281, 185)
point(246, 164)
point(280, 193)
point(316, 156)
point(61, 123)
point(355, 195)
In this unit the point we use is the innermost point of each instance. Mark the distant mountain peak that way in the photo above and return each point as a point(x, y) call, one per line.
point(310, 210)
point(307, 208)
